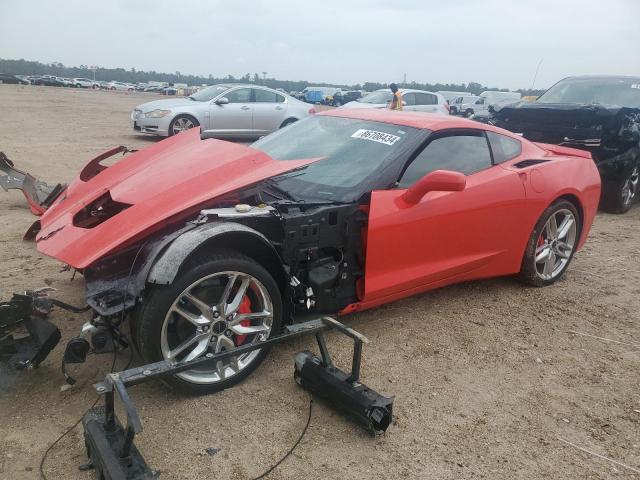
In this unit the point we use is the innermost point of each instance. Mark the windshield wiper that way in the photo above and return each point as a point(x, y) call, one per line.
point(280, 192)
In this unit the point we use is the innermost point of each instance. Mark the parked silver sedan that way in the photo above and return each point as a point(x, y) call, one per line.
point(227, 110)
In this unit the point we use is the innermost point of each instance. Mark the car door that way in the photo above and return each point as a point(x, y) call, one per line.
point(446, 236)
point(426, 102)
point(234, 118)
point(269, 111)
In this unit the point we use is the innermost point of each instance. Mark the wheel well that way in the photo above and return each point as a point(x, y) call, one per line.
point(185, 115)
point(576, 203)
point(245, 244)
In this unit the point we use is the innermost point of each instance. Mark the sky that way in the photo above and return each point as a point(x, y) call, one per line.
point(498, 43)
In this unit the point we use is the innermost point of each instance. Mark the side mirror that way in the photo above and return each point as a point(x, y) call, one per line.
point(437, 181)
point(222, 101)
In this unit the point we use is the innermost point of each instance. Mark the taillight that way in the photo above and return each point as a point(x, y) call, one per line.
point(312, 110)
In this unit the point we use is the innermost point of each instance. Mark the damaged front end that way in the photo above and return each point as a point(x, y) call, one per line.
point(26, 336)
point(610, 133)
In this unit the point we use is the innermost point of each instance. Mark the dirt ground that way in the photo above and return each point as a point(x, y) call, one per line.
point(491, 379)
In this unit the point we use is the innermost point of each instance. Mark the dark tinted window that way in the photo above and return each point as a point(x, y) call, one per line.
point(409, 99)
point(609, 91)
point(242, 95)
point(466, 153)
point(265, 96)
point(504, 148)
point(426, 99)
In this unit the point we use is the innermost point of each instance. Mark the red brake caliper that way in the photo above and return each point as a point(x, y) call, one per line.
point(245, 307)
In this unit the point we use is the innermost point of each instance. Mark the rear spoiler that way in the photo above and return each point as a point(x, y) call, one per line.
point(560, 150)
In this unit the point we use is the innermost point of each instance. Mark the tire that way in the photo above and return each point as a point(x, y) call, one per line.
point(78, 85)
point(468, 113)
point(160, 330)
point(538, 269)
point(182, 123)
point(288, 121)
point(618, 195)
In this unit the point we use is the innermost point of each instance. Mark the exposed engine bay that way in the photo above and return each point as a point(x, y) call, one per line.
point(316, 251)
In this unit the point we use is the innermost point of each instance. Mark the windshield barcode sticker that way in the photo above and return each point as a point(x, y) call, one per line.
point(374, 136)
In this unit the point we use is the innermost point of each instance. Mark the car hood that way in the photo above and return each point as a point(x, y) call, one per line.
point(165, 104)
point(148, 190)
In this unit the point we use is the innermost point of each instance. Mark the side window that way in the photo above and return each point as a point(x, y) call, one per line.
point(242, 95)
point(409, 99)
point(504, 148)
point(466, 153)
point(279, 98)
point(426, 99)
point(265, 96)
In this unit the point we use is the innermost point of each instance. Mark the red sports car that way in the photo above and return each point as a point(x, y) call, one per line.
point(207, 245)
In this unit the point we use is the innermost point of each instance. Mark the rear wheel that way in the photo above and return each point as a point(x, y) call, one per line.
point(212, 306)
point(182, 123)
point(551, 245)
point(468, 113)
point(618, 196)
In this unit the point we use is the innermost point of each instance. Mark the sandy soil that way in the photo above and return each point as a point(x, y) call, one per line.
point(488, 376)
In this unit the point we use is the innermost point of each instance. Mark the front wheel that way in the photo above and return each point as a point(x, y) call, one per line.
point(551, 245)
point(182, 123)
point(213, 305)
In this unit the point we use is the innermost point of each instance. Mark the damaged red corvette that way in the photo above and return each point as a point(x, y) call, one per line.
point(207, 245)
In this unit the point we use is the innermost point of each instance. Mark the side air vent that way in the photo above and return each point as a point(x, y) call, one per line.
point(529, 163)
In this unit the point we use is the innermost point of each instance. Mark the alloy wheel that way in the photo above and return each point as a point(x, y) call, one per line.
point(555, 244)
point(182, 124)
point(217, 313)
point(630, 187)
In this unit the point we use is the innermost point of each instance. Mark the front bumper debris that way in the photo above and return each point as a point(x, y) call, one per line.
point(40, 195)
point(110, 446)
point(26, 336)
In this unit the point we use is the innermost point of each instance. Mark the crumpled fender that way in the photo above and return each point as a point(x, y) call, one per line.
point(166, 266)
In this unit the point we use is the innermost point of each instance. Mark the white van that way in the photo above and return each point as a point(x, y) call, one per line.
point(456, 105)
point(450, 96)
point(480, 107)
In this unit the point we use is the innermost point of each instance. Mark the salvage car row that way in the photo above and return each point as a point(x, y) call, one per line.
point(598, 114)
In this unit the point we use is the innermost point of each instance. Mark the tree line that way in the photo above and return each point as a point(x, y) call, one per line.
point(30, 67)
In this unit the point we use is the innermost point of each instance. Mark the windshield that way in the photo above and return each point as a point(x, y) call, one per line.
point(209, 93)
point(353, 154)
point(624, 92)
point(381, 96)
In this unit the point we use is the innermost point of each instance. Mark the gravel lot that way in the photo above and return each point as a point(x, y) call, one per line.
point(489, 377)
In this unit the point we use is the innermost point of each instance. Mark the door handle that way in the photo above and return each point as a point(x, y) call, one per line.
point(278, 108)
point(244, 107)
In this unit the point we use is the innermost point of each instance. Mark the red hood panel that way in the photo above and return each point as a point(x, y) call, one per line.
point(158, 182)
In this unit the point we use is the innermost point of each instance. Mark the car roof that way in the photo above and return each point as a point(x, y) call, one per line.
point(424, 120)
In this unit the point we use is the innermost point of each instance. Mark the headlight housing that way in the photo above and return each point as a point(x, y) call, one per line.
point(157, 113)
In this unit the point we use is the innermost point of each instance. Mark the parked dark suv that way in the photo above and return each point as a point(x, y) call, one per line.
point(600, 114)
point(340, 98)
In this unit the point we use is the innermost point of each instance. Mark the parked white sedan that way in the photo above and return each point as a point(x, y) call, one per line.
point(121, 86)
point(412, 101)
point(224, 111)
